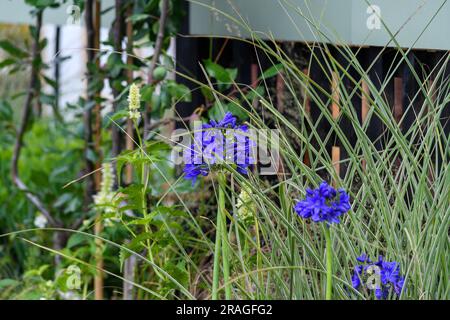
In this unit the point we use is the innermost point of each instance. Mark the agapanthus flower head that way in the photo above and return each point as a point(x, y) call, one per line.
point(364, 258)
point(228, 121)
point(387, 276)
point(217, 143)
point(323, 204)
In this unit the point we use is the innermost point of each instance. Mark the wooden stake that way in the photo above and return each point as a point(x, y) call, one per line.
point(130, 263)
point(280, 92)
point(335, 111)
point(364, 100)
point(254, 71)
point(254, 75)
point(95, 7)
point(306, 97)
point(336, 157)
point(97, 109)
point(130, 78)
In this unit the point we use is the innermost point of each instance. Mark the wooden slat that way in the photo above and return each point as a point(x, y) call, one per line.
point(336, 157)
point(254, 74)
point(335, 111)
point(280, 92)
point(432, 90)
point(364, 100)
point(130, 262)
point(98, 227)
point(130, 79)
point(335, 96)
point(398, 99)
point(306, 96)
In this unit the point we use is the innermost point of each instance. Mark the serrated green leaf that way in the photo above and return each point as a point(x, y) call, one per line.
point(12, 49)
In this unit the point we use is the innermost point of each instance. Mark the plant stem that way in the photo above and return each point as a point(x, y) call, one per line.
point(259, 277)
point(144, 207)
point(224, 233)
point(216, 268)
point(221, 215)
point(329, 264)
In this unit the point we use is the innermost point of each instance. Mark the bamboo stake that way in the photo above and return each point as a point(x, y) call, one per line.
point(130, 77)
point(335, 110)
point(155, 58)
point(364, 100)
point(130, 262)
point(97, 109)
point(117, 44)
point(93, 16)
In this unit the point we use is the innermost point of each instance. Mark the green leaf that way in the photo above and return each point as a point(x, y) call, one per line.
point(6, 63)
point(221, 74)
point(117, 116)
point(62, 200)
point(271, 72)
point(42, 3)
point(218, 111)
point(147, 92)
point(134, 245)
point(47, 99)
point(138, 17)
point(179, 92)
point(12, 49)
point(6, 112)
point(8, 283)
point(75, 240)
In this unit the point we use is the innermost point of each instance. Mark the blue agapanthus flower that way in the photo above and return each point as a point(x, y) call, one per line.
point(323, 204)
point(219, 142)
point(389, 278)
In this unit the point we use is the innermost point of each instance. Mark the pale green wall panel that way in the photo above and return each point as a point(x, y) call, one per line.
point(16, 11)
point(422, 24)
point(337, 21)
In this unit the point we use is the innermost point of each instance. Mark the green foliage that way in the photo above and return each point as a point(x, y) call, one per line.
point(399, 196)
point(224, 76)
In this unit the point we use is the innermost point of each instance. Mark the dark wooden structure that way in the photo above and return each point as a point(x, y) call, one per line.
point(402, 88)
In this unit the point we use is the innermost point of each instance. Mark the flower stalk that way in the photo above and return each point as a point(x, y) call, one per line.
point(329, 290)
point(221, 244)
point(217, 249)
point(224, 234)
point(325, 205)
